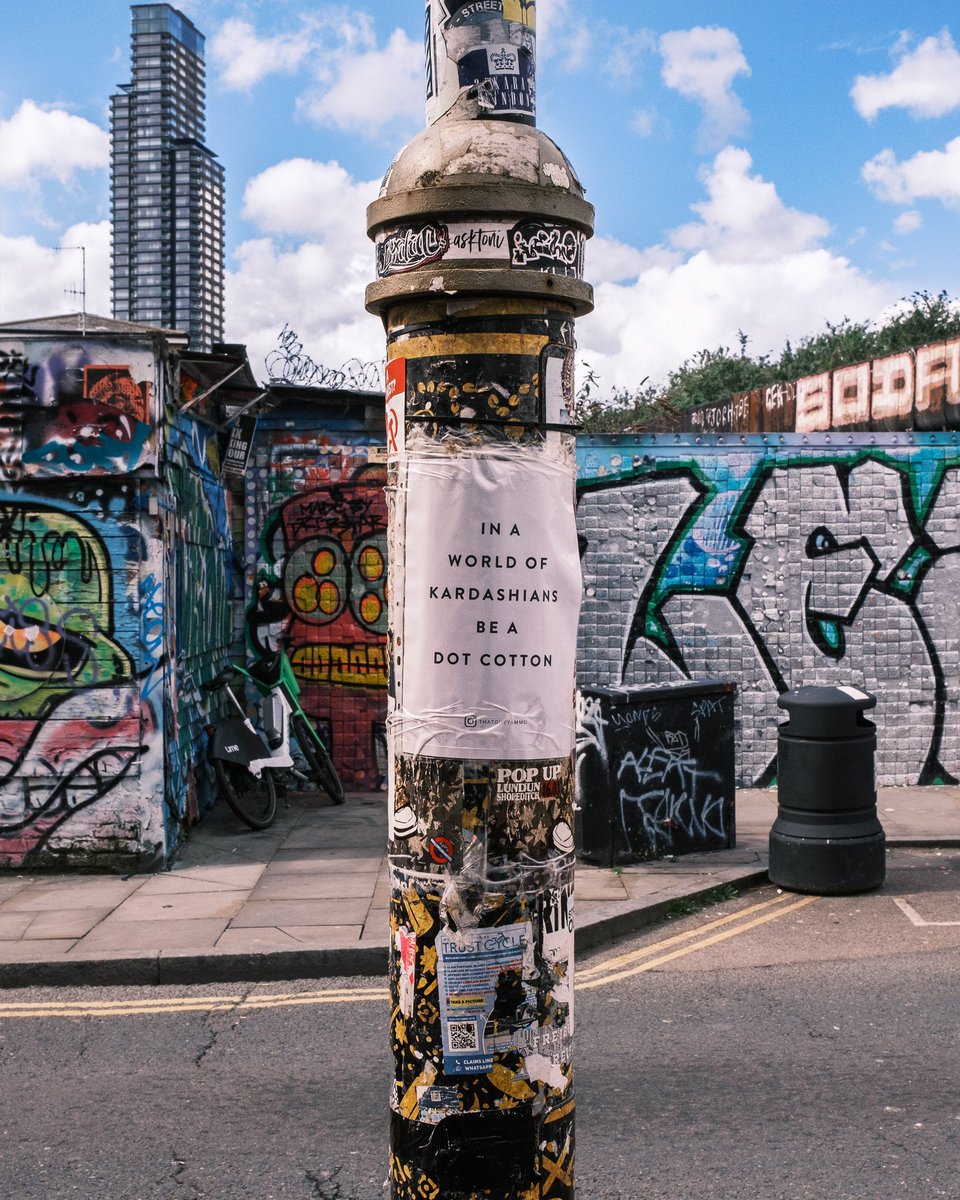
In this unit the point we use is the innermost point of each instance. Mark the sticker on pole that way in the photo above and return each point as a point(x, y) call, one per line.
point(482, 997)
point(396, 395)
point(491, 601)
point(441, 850)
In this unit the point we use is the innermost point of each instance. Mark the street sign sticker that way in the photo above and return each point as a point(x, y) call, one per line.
point(441, 850)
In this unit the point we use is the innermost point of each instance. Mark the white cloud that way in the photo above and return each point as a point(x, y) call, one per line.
point(701, 64)
point(314, 288)
point(317, 285)
point(926, 81)
point(627, 52)
point(614, 54)
point(38, 143)
point(563, 38)
point(908, 222)
point(744, 219)
point(552, 18)
point(644, 121)
point(244, 58)
point(365, 89)
point(35, 280)
point(610, 261)
point(301, 197)
point(350, 82)
point(931, 174)
point(749, 263)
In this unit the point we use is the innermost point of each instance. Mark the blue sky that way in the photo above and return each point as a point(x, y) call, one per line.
point(764, 167)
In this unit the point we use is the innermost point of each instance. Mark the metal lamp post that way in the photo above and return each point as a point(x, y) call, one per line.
point(480, 228)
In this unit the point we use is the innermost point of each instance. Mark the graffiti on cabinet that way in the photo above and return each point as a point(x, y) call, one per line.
point(72, 722)
point(665, 792)
point(71, 409)
point(779, 566)
point(655, 771)
point(324, 588)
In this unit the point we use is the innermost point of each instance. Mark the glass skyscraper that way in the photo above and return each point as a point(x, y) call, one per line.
point(167, 260)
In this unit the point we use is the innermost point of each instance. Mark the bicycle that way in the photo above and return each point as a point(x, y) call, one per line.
point(244, 763)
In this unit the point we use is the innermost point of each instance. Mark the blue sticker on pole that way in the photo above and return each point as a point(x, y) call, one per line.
point(483, 999)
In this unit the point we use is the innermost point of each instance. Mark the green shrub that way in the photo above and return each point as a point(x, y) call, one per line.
point(714, 375)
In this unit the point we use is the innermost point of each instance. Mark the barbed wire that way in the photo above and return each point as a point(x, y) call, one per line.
point(289, 364)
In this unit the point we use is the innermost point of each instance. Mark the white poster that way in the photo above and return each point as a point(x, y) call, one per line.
point(491, 602)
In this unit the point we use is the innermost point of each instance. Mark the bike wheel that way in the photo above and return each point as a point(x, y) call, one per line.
point(318, 760)
point(253, 800)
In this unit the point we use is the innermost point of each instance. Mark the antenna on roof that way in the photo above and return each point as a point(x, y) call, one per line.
point(82, 290)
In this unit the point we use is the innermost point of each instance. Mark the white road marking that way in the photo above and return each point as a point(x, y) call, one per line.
point(914, 916)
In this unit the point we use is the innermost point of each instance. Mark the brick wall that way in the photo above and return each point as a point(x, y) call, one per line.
point(779, 561)
point(115, 562)
point(315, 556)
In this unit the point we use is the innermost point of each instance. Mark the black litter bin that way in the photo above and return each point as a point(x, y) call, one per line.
point(655, 771)
point(827, 838)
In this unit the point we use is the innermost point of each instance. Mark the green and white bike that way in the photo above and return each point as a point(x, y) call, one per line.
point(244, 763)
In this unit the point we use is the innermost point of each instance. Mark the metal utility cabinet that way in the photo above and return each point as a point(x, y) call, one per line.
point(655, 771)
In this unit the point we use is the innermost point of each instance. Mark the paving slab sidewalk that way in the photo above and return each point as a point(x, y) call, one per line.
point(309, 897)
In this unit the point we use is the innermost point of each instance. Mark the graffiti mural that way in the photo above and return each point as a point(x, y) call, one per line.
point(115, 603)
point(70, 408)
point(73, 725)
point(913, 389)
point(80, 760)
point(316, 530)
point(779, 562)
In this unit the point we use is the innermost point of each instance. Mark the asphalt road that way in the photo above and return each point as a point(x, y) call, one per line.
point(774, 1046)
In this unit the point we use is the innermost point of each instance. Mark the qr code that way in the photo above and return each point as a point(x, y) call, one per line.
point(463, 1035)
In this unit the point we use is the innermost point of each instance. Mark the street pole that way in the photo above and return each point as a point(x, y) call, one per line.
point(480, 228)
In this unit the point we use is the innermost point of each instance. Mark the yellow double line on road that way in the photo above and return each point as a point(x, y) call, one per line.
point(647, 958)
point(187, 1004)
point(600, 974)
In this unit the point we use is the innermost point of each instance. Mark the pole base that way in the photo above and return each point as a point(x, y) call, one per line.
point(834, 867)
